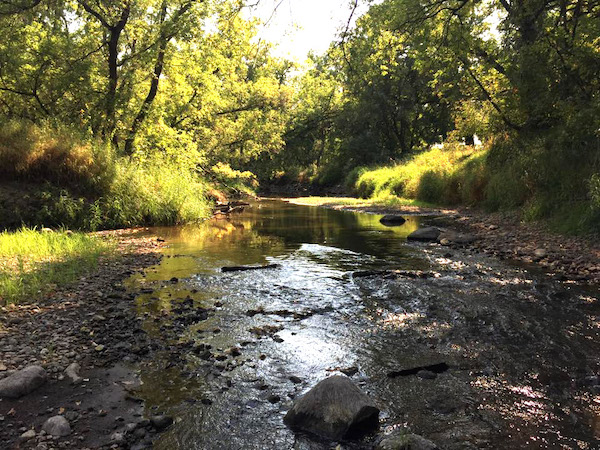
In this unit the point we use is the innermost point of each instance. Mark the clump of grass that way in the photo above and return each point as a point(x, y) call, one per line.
point(34, 262)
point(446, 175)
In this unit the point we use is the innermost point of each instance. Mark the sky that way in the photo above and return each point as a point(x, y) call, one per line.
point(299, 26)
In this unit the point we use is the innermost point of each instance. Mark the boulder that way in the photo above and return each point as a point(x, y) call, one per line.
point(400, 440)
point(425, 234)
point(22, 382)
point(391, 220)
point(57, 426)
point(334, 409)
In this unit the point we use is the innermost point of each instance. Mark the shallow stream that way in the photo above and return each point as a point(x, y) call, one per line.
point(523, 350)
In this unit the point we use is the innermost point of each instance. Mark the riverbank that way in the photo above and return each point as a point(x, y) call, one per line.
point(502, 235)
point(92, 323)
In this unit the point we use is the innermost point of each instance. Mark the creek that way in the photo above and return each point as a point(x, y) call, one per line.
point(522, 350)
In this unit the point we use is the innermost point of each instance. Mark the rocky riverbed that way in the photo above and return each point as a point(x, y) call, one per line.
point(91, 329)
point(176, 347)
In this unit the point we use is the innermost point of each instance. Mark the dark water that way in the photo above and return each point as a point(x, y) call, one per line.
point(523, 350)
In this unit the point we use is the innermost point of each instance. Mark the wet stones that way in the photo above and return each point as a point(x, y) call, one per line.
point(161, 422)
point(57, 426)
point(400, 440)
point(334, 409)
point(267, 330)
point(22, 382)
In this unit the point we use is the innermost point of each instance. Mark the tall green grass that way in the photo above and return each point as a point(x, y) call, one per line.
point(500, 176)
point(78, 183)
point(450, 175)
point(34, 262)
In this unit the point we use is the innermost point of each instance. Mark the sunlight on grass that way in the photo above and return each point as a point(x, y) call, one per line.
point(34, 262)
point(382, 200)
point(452, 175)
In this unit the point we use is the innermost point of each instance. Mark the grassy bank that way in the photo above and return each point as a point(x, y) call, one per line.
point(56, 177)
point(494, 178)
point(33, 262)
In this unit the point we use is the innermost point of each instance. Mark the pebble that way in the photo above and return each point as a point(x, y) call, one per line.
point(29, 434)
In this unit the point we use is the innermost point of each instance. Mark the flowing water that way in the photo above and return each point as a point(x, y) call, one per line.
point(523, 351)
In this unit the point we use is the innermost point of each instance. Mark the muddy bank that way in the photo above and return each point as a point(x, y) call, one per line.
point(502, 235)
point(91, 323)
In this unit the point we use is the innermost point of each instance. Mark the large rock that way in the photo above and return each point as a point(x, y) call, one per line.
point(425, 234)
point(400, 440)
point(391, 220)
point(57, 426)
point(22, 382)
point(334, 409)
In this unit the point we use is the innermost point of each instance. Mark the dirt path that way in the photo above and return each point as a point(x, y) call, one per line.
point(92, 323)
point(502, 235)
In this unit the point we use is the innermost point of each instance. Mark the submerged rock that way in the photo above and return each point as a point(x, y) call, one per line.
point(244, 268)
point(400, 440)
point(392, 220)
point(57, 426)
point(161, 422)
point(22, 382)
point(334, 409)
point(425, 234)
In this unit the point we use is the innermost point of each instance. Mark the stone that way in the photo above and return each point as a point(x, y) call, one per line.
point(22, 382)
point(425, 234)
point(57, 426)
point(400, 440)
point(117, 437)
point(334, 409)
point(392, 220)
point(296, 380)
point(452, 237)
point(540, 253)
point(72, 371)
point(29, 434)
point(161, 422)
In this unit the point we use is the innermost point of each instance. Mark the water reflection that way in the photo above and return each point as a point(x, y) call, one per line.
point(507, 334)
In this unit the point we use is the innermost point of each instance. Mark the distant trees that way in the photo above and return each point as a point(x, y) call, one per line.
point(524, 73)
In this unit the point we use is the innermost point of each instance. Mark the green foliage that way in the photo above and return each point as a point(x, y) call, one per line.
point(450, 175)
point(33, 261)
point(234, 180)
point(59, 155)
point(113, 191)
